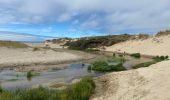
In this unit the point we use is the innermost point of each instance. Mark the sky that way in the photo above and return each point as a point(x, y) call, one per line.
point(79, 18)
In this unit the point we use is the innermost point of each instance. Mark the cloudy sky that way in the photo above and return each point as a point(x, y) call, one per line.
point(74, 18)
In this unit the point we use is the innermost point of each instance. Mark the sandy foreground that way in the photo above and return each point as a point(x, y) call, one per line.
point(151, 83)
point(11, 57)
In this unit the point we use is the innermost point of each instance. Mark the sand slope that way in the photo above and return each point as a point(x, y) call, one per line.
point(151, 46)
point(151, 83)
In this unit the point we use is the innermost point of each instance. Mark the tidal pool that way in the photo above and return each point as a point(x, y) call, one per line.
point(12, 80)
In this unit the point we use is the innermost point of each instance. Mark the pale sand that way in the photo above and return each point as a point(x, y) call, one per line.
point(151, 83)
point(151, 46)
point(10, 57)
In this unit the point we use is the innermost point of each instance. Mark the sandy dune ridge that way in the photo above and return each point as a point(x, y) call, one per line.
point(151, 83)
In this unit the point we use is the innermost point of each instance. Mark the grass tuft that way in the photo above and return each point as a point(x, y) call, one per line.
point(78, 91)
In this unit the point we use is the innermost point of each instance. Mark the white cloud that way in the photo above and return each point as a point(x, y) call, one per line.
point(105, 16)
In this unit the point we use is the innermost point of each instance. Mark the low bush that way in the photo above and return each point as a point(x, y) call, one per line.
point(29, 75)
point(135, 55)
point(161, 58)
point(103, 66)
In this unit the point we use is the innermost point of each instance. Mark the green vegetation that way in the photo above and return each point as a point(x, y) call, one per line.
point(78, 91)
point(161, 58)
point(117, 60)
point(36, 49)
point(146, 64)
point(103, 66)
point(135, 55)
point(12, 44)
point(98, 41)
point(155, 60)
point(1, 90)
point(29, 75)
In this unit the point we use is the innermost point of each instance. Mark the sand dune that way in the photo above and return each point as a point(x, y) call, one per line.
point(151, 46)
point(151, 83)
point(10, 57)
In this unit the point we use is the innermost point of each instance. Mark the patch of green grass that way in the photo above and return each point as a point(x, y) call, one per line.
point(13, 44)
point(135, 55)
point(146, 64)
point(155, 60)
point(117, 59)
point(78, 91)
point(103, 66)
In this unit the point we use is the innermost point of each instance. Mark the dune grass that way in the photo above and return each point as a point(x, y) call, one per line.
point(13, 44)
point(78, 91)
point(155, 60)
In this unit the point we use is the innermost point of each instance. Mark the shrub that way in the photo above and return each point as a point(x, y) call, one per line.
point(103, 66)
point(160, 58)
point(167, 57)
point(29, 75)
point(135, 55)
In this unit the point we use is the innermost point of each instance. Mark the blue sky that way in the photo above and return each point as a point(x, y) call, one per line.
point(77, 18)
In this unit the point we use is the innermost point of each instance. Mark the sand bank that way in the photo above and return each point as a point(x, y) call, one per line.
point(151, 83)
point(11, 57)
